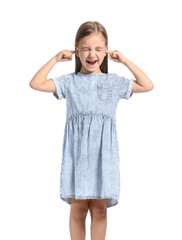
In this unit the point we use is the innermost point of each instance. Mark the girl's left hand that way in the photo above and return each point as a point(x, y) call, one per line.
point(116, 56)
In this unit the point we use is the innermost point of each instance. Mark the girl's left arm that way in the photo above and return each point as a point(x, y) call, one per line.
point(142, 83)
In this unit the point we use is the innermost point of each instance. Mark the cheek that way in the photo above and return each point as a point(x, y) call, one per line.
point(83, 55)
point(101, 55)
point(83, 58)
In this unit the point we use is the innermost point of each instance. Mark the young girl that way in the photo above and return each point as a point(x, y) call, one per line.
point(90, 171)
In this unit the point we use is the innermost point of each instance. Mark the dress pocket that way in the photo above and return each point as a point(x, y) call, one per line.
point(104, 91)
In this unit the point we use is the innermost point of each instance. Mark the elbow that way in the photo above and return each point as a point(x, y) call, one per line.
point(149, 88)
point(31, 85)
point(152, 86)
point(37, 85)
point(149, 85)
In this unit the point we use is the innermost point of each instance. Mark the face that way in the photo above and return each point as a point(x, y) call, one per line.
point(91, 51)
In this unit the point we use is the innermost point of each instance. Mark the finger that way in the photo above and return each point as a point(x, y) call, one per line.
point(113, 57)
point(62, 55)
point(72, 51)
point(66, 55)
point(109, 51)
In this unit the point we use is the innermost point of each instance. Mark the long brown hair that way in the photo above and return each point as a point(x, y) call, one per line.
point(84, 30)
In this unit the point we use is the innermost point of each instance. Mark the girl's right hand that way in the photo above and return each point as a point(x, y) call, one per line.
point(64, 55)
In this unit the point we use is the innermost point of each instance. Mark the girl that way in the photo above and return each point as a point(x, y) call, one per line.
point(90, 174)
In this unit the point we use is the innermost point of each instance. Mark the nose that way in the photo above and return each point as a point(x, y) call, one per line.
point(91, 53)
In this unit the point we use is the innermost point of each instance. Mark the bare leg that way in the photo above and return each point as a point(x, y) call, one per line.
point(98, 211)
point(78, 213)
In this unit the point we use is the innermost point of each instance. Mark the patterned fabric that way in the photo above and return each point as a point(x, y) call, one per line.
point(90, 153)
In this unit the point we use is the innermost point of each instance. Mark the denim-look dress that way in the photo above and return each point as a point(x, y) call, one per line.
point(90, 153)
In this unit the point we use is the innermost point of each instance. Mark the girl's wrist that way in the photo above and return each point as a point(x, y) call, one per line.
point(55, 59)
point(125, 61)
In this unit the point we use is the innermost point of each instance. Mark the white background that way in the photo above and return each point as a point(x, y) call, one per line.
point(148, 124)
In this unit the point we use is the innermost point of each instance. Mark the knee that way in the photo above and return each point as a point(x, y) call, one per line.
point(78, 212)
point(98, 212)
point(98, 208)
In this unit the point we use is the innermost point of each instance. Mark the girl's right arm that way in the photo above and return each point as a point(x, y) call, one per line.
point(40, 81)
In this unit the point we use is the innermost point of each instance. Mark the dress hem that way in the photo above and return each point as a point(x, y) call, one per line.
point(68, 199)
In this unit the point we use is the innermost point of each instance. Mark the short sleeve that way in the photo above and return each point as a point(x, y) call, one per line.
point(124, 86)
point(60, 84)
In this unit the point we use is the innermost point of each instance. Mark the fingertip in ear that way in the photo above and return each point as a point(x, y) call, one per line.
point(76, 52)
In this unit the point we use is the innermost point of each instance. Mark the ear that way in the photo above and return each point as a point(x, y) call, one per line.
point(106, 50)
point(76, 51)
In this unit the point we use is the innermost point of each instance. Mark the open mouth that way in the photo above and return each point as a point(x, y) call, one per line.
point(91, 62)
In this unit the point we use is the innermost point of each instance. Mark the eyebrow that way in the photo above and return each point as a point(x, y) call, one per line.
point(88, 47)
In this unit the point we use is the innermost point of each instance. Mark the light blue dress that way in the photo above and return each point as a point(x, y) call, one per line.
point(90, 154)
